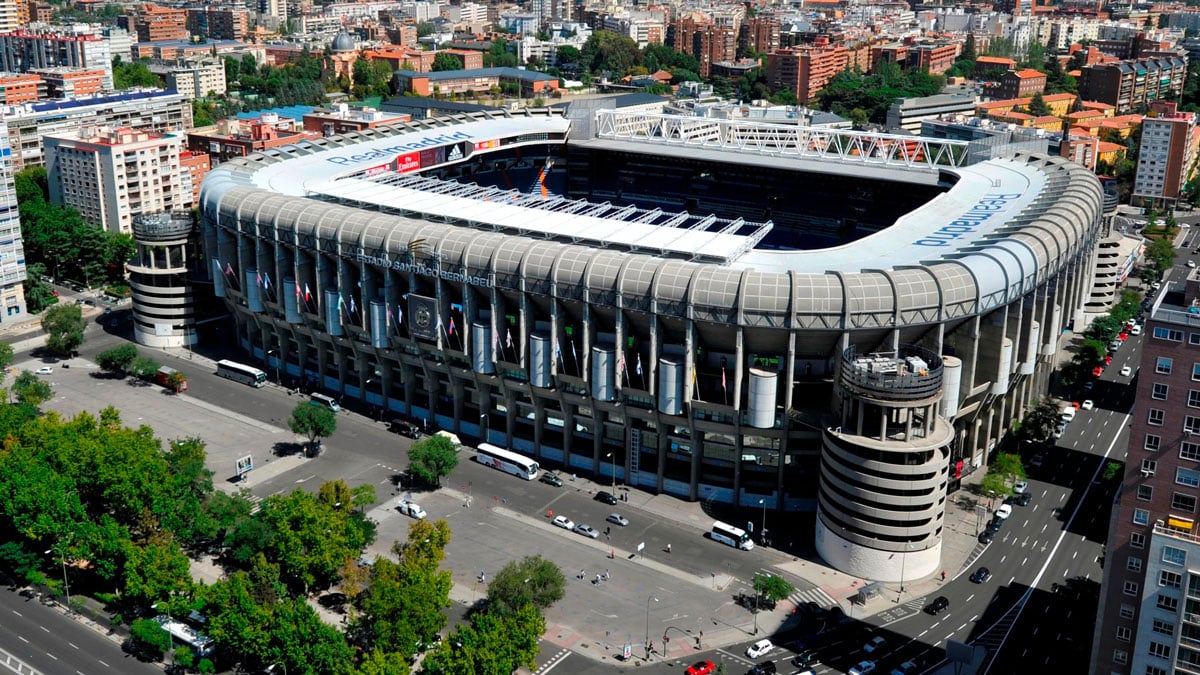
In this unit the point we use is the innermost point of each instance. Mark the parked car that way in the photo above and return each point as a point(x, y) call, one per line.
point(805, 658)
point(986, 537)
point(906, 668)
point(1089, 404)
point(705, 667)
point(411, 510)
point(45, 370)
point(587, 531)
point(759, 649)
point(563, 522)
point(863, 667)
point(1020, 487)
point(1136, 330)
point(764, 668)
point(940, 604)
point(606, 497)
point(550, 478)
point(617, 519)
point(1023, 499)
point(1004, 511)
point(874, 643)
point(1037, 460)
point(1126, 371)
point(981, 575)
point(404, 428)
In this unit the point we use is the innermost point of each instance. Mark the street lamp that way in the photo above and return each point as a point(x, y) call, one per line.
point(762, 531)
point(648, 599)
point(614, 472)
point(903, 562)
point(275, 353)
point(62, 557)
point(483, 426)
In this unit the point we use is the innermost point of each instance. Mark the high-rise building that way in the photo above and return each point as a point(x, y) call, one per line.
point(807, 69)
point(151, 23)
point(1149, 614)
point(12, 250)
point(1167, 155)
point(11, 15)
point(1128, 84)
point(708, 42)
point(149, 110)
point(759, 33)
point(22, 51)
point(113, 175)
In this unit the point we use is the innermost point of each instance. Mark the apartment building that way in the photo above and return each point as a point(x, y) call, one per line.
point(1021, 83)
point(343, 119)
point(22, 51)
point(698, 36)
point(1149, 614)
point(195, 80)
point(11, 15)
point(1129, 84)
point(113, 175)
point(1168, 153)
point(12, 250)
point(151, 23)
point(20, 88)
point(147, 110)
point(233, 138)
point(218, 23)
point(807, 69)
point(193, 167)
point(65, 82)
point(760, 34)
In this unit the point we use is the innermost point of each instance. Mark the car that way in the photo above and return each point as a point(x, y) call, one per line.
point(986, 537)
point(411, 509)
point(764, 668)
point(705, 667)
point(1020, 487)
point(940, 604)
point(981, 575)
point(1004, 511)
point(995, 524)
point(404, 428)
point(1088, 404)
point(1126, 371)
point(805, 658)
point(1058, 433)
point(587, 531)
point(760, 648)
point(877, 642)
point(1097, 371)
point(1107, 362)
point(1089, 385)
point(1037, 460)
point(1136, 330)
point(1023, 499)
point(906, 668)
point(863, 667)
point(550, 478)
point(617, 519)
point(563, 522)
point(45, 370)
point(1191, 264)
point(606, 498)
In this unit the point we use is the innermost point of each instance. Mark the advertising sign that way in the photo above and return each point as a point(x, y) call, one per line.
point(433, 156)
point(408, 162)
point(376, 170)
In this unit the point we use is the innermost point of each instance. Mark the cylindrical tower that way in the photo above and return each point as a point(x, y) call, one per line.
point(164, 307)
point(884, 470)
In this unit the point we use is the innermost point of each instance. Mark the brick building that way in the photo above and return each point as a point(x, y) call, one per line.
point(698, 36)
point(759, 33)
point(1021, 83)
point(63, 82)
point(151, 23)
point(1130, 84)
point(807, 69)
point(20, 88)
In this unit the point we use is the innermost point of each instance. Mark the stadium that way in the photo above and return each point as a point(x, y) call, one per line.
point(761, 315)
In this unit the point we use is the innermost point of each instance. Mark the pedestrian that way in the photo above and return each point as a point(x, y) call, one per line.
point(943, 575)
point(582, 575)
point(668, 548)
point(606, 575)
point(597, 579)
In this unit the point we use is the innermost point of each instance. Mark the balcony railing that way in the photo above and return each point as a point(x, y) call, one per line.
point(910, 373)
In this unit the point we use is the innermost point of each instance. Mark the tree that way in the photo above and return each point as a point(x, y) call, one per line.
point(772, 587)
point(128, 75)
point(148, 636)
point(443, 61)
point(117, 360)
point(156, 570)
point(6, 358)
point(64, 325)
point(1037, 105)
point(313, 421)
point(144, 367)
point(1009, 466)
point(363, 496)
point(494, 644)
point(431, 458)
point(969, 53)
point(533, 580)
point(1161, 254)
point(994, 485)
point(31, 389)
point(1039, 423)
point(39, 294)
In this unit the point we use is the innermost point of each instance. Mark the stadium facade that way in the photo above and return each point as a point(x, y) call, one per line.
point(708, 357)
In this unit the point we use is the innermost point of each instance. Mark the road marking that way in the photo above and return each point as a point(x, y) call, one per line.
point(73, 645)
point(969, 599)
point(52, 656)
point(1003, 558)
point(17, 613)
point(961, 627)
point(103, 663)
point(44, 629)
point(974, 618)
point(923, 633)
point(1025, 560)
point(22, 639)
point(554, 662)
point(1011, 579)
point(1073, 555)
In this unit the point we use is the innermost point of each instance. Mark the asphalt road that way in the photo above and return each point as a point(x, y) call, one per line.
point(45, 639)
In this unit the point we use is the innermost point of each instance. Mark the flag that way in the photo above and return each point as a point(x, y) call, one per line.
point(258, 280)
point(621, 364)
point(388, 319)
point(341, 302)
point(496, 341)
point(399, 315)
point(228, 268)
point(439, 322)
point(508, 338)
point(452, 325)
point(723, 384)
point(307, 293)
point(218, 264)
point(693, 375)
point(298, 293)
point(639, 365)
point(353, 309)
point(557, 350)
point(266, 281)
point(573, 354)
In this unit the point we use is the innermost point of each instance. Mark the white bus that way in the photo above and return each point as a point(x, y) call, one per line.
point(507, 461)
point(730, 535)
point(240, 373)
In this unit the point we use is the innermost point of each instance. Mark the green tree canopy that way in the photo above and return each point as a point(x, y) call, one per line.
point(432, 458)
point(533, 580)
point(1039, 422)
point(494, 644)
point(772, 587)
point(136, 74)
point(64, 325)
point(117, 360)
point(443, 61)
point(313, 421)
point(31, 389)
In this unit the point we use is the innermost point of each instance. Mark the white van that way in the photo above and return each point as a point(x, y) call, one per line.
point(1068, 413)
point(453, 438)
point(326, 401)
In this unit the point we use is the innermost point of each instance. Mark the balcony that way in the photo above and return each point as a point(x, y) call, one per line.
point(911, 373)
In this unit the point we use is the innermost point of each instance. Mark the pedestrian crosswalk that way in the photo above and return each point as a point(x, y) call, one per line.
point(255, 504)
point(812, 594)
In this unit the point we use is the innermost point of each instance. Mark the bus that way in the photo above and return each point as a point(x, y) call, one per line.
point(507, 461)
point(730, 535)
point(239, 373)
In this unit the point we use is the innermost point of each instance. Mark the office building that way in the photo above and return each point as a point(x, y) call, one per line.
point(112, 176)
point(1149, 614)
point(147, 110)
point(908, 113)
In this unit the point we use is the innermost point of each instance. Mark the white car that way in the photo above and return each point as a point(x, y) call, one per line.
point(863, 668)
point(760, 648)
point(412, 510)
point(1126, 371)
point(1088, 405)
point(874, 643)
point(45, 370)
point(563, 522)
point(1136, 329)
point(1020, 487)
point(587, 531)
point(1004, 511)
point(1191, 263)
